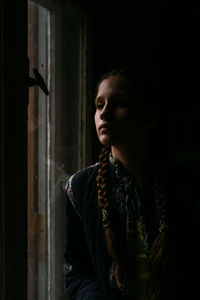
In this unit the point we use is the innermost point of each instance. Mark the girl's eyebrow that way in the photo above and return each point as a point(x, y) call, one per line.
point(98, 99)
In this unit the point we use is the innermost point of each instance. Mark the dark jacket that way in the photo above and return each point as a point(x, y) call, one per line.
point(86, 250)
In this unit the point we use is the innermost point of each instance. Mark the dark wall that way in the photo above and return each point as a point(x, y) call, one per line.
point(13, 143)
point(161, 37)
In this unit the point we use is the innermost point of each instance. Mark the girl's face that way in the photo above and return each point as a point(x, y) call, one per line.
point(119, 119)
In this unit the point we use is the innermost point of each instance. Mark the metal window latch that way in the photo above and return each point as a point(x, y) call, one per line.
point(38, 80)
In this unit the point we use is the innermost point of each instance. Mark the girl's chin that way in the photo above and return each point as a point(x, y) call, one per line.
point(107, 140)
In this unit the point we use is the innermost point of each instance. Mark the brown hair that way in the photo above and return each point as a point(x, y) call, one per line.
point(160, 257)
point(160, 253)
point(146, 85)
point(114, 245)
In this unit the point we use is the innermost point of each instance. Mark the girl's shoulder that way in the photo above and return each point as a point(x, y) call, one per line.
point(80, 184)
point(82, 177)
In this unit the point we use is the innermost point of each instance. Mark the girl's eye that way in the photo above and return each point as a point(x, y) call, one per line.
point(99, 106)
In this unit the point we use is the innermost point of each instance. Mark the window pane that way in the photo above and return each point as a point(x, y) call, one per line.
point(56, 137)
point(38, 152)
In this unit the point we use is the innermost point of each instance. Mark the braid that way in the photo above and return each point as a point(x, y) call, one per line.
point(160, 257)
point(114, 245)
point(101, 179)
point(160, 254)
point(161, 201)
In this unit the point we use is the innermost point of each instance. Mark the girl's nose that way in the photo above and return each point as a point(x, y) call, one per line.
point(105, 113)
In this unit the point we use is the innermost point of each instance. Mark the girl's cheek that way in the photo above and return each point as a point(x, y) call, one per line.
point(126, 116)
point(122, 113)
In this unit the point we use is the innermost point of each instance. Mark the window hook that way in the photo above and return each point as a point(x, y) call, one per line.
point(38, 80)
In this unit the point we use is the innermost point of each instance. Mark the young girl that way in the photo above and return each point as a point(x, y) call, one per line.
point(119, 237)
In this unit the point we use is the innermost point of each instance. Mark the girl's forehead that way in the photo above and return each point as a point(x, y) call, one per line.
point(114, 84)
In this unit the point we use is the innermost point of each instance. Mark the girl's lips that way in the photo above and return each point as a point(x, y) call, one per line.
point(104, 127)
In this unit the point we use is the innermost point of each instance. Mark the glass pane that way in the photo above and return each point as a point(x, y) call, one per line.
point(56, 137)
point(71, 106)
point(38, 152)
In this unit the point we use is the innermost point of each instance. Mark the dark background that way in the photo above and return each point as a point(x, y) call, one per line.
point(162, 37)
